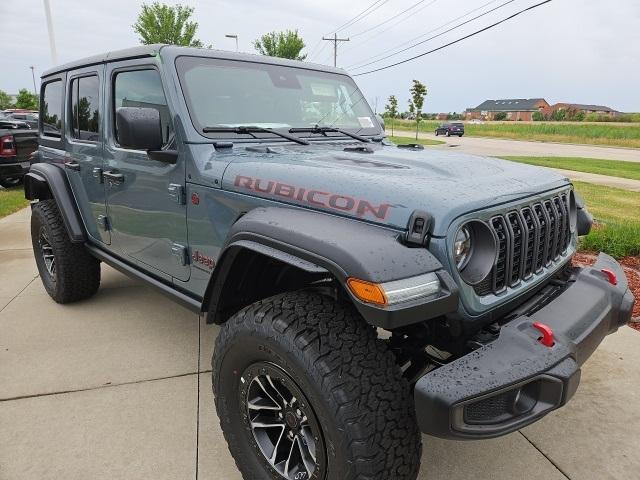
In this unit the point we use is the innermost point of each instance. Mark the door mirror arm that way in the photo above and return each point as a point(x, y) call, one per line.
point(164, 156)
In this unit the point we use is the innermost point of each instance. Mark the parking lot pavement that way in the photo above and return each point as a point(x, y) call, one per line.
point(119, 387)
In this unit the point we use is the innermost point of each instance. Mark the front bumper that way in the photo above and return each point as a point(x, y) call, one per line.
point(515, 380)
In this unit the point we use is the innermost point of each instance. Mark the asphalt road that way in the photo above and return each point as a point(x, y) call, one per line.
point(501, 147)
point(118, 387)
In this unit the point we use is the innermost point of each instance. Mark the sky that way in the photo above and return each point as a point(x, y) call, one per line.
point(578, 51)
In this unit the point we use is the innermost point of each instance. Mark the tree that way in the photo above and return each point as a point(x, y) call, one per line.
point(418, 92)
point(26, 100)
point(286, 44)
point(162, 23)
point(5, 100)
point(391, 110)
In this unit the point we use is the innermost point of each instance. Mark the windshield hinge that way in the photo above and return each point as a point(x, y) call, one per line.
point(176, 192)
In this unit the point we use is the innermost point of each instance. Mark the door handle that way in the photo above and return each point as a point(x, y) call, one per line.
point(72, 166)
point(113, 177)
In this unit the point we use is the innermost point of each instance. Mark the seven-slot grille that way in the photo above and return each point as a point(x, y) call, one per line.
point(528, 239)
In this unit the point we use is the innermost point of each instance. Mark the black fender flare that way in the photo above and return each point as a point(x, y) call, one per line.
point(322, 243)
point(47, 181)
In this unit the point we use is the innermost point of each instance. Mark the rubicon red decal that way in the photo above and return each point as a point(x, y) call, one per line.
point(316, 198)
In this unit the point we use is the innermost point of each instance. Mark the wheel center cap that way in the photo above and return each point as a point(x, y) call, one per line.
point(291, 419)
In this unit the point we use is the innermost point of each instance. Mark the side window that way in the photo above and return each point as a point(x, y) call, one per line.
point(85, 108)
point(142, 88)
point(52, 109)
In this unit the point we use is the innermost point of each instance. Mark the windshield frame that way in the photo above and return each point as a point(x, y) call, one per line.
point(375, 131)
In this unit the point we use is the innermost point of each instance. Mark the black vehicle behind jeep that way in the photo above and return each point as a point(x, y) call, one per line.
point(17, 143)
point(449, 129)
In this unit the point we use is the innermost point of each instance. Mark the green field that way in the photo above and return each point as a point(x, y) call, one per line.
point(608, 134)
point(421, 141)
point(617, 214)
point(12, 200)
point(614, 168)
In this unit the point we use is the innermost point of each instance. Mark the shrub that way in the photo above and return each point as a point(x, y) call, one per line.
point(500, 116)
point(537, 117)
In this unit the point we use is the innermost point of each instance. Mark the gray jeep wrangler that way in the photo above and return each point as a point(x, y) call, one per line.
point(366, 292)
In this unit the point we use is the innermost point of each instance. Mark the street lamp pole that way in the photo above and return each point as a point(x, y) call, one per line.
point(52, 39)
point(233, 36)
point(33, 76)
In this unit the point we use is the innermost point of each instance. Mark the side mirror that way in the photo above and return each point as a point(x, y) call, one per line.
point(139, 128)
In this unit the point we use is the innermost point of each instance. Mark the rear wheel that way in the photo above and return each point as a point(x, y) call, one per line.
point(305, 390)
point(68, 271)
point(437, 133)
point(448, 133)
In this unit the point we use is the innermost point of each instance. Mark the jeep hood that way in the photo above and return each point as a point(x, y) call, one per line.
point(384, 186)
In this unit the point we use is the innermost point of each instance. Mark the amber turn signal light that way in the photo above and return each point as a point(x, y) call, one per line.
point(367, 291)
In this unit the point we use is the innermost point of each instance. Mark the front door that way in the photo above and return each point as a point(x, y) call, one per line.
point(84, 152)
point(145, 199)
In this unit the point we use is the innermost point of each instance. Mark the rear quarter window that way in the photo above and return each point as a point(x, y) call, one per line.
point(51, 109)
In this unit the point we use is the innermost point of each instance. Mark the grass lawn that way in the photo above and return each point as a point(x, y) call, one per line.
point(614, 168)
point(12, 200)
point(617, 212)
point(619, 135)
point(421, 141)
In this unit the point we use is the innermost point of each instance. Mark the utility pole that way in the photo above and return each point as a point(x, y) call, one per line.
point(335, 41)
point(52, 39)
point(33, 76)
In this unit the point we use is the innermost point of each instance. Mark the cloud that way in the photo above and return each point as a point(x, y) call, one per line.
point(568, 50)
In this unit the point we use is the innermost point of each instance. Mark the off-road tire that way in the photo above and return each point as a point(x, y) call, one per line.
point(77, 272)
point(352, 382)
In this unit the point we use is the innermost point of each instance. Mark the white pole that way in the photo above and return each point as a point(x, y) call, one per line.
point(52, 39)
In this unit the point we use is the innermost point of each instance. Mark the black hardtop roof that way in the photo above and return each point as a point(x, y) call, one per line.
point(159, 48)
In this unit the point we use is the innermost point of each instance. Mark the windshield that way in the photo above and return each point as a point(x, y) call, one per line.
point(227, 93)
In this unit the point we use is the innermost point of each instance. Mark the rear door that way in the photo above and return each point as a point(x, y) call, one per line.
point(145, 197)
point(85, 148)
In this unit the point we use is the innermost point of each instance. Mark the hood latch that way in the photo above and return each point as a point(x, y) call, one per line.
point(418, 229)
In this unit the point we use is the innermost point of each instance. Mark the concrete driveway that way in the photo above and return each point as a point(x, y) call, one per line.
point(118, 387)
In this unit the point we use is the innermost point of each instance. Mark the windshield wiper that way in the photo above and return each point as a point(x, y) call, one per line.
point(324, 130)
point(250, 129)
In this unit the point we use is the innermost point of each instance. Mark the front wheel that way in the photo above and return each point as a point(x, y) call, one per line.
point(305, 390)
point(448, 134)
point(461, 135)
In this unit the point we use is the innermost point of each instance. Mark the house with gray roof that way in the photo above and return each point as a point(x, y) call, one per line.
point(514, 108)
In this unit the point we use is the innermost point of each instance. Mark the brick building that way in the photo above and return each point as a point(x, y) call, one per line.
point(514, 108)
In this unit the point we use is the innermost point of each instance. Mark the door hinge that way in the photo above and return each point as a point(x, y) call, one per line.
point(176, 192)
point(104, 223)
point(180, 252)
point(97, 173)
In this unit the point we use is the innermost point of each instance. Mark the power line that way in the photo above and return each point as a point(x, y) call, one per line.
point(370, 9)
point(407, 42)
point(455, 41)
point(360, 64)
point(375, 35)
point(365, 13)
point(392, 18)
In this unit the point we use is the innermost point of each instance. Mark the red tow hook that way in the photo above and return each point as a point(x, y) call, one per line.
point(547, 334)
point(611, 276)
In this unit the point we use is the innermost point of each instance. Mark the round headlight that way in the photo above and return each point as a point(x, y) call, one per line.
point(462, 247)
point(474, 251)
